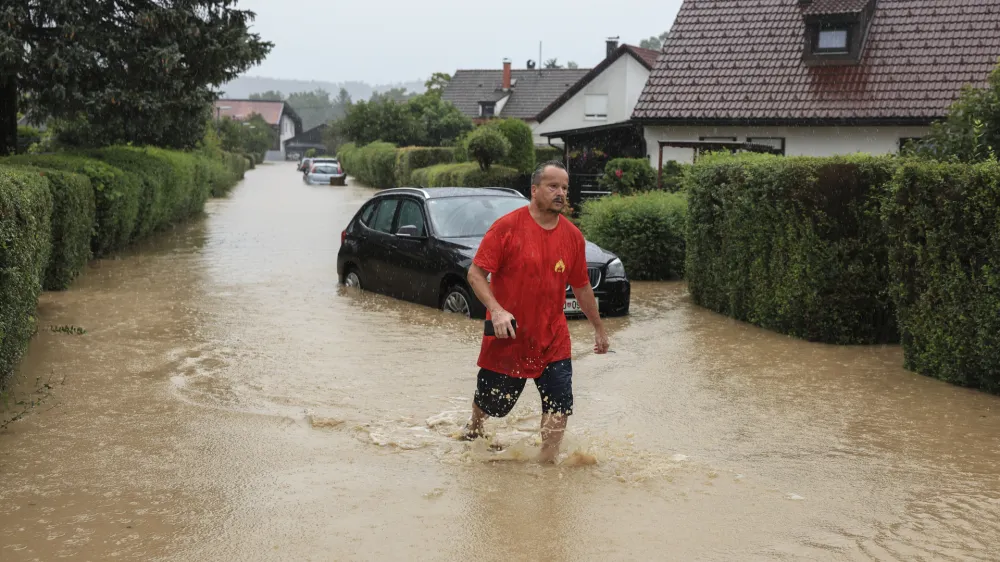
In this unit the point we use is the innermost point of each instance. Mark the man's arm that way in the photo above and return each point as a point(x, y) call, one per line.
point(588, 304)
point(481, 286)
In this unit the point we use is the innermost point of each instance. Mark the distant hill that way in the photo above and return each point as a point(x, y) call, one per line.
point(243, 86)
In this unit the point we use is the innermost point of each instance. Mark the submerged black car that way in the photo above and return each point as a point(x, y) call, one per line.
point(417, 245)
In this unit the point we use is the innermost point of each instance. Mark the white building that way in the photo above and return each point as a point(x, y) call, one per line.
point(813, 77)
point(278, 114)
point(605, 95)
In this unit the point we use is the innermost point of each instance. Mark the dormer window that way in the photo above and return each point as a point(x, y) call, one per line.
point(487, 108)
point(836, 30)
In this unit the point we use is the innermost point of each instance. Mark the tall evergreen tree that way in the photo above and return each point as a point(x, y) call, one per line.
point(142, 71)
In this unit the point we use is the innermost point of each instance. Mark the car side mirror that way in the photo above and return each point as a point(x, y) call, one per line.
point(408, 231)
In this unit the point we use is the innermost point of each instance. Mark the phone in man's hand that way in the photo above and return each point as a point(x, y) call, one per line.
point(489, 330)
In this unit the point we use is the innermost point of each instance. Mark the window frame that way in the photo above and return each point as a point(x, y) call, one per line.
point(420, 209)
point(848, 37)
point(483, 105)
point(596, 116)
point(395, 213)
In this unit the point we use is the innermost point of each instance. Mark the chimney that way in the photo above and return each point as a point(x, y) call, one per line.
point(612, 44)
point(506, 74)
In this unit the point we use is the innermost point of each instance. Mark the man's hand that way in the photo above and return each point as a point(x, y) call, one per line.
point(502, 323)
point(601, 342)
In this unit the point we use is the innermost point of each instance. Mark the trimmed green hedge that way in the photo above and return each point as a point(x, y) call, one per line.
point(466, 174)
point(73, 215)
point(373, 164)
point(117, 195)
point(793, 244)
point(25, 233)
point(58, 210)
point(647, 231)
point(412, 158)
point(944, 232)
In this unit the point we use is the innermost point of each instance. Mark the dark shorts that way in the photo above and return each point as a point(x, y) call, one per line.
point(496, 393)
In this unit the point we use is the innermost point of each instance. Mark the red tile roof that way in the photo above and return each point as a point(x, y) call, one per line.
point(243, 109)
point(741, 61)
point(834, 6)
point(646, 55)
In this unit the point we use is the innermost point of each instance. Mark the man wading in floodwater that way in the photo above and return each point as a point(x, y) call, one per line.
point(532, 254)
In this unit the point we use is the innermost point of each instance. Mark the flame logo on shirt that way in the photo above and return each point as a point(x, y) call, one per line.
point(560, 266)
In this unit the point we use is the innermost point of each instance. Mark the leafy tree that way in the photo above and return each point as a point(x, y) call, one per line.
point(572, 65)
point(552, 63)
point(655, 43)
point(441, 120)
point(971, 131)
point(487, 145)
point(437, 83)
point(315, 108)
point(341, 104)
point(270, 95)
point(424, 120)
point(253, 136)
point(135, 71)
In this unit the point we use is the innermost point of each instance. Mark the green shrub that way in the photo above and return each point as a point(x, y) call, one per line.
point(627, 176)
point(72, 222)
point(27, 136)
point(547, 154)
point(415, 157)
point(233, 169)
point(521, 155)
point(795, 245)
point(116, 192)
point(373, 164)
point(943, 222)
point(158, 194)
point(672, 176)
point(646, 231)
point(487, 146)
point(25, 232)
point(466, 174)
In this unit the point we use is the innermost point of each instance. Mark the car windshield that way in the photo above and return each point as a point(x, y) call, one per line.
point(327, 169)
point(462, 217)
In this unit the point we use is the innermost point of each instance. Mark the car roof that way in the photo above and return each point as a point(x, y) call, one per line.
point(443, 192)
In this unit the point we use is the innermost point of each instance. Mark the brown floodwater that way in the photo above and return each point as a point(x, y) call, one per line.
point(229, 401)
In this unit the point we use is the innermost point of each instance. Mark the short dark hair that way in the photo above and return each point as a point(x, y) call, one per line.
point(537, 175)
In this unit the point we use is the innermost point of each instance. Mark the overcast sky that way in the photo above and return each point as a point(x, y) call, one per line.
point(382, 41)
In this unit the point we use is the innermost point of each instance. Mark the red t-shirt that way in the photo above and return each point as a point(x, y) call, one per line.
point(530, 268)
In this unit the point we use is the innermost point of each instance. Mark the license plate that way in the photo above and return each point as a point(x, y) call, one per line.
point(572, 307)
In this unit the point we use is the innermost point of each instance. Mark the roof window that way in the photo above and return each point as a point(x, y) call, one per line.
point(832, 40)
point(836, 30)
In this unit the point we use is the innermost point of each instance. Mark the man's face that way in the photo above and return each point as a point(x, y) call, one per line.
point(552, 190)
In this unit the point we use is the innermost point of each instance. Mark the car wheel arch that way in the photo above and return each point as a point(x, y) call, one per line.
point(452, 279)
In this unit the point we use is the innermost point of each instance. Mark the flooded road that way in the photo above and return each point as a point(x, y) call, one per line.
point(229, 401)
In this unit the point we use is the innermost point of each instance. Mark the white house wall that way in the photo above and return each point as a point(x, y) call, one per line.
point(799, 141)
point(622, 82)
point(636, 77)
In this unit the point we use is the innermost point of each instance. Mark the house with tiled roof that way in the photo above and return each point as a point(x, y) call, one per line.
point(605, 95)
point(814, 77)
point(278, 114)
point(508, 92)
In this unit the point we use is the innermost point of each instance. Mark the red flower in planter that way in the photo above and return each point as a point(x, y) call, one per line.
point(618, 174)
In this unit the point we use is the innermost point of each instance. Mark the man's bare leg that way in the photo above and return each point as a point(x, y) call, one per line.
point(474, 429)
point(553, 427)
